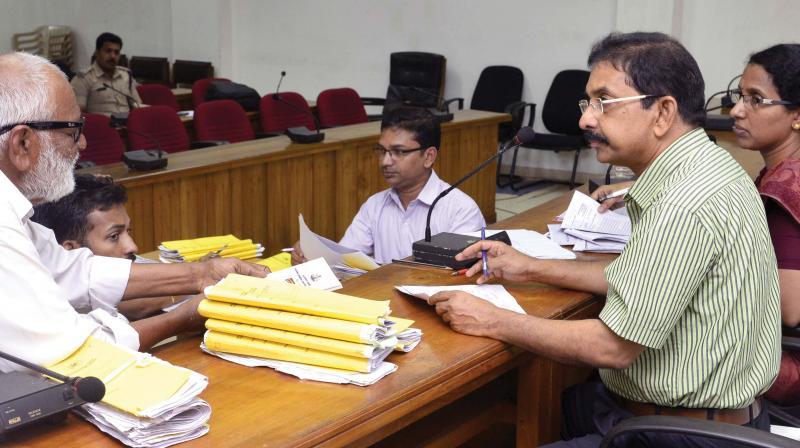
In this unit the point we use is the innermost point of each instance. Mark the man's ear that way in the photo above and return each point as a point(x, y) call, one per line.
point(71, 244)
point(430, 156)
point(667, 108)
point(23, 148)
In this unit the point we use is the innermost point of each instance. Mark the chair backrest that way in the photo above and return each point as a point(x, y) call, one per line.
point(200, 87)
point(158, 95)
point(161, 124)
point(416, 78)
point(277, 116)
point(59, 44)
point(103, 143)
point(187, 72)
point(148, 69)
point(560, 113)
point(340, 107)
point(222, 120)
point(497, 87)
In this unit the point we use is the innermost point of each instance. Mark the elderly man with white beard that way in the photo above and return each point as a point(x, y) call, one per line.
point(42, 283)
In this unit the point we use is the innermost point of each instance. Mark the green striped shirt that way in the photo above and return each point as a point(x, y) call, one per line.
point(697, 284)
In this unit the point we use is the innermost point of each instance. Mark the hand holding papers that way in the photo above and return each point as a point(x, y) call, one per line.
point(533, 244)
point(340, 258)
point(494, 294)
point(589, 230)
point(212, 246)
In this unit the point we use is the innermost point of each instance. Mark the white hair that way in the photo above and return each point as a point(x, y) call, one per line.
point(24, 89)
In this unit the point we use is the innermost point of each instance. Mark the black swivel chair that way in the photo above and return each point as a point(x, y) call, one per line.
point(150, 70)
point(415, 79)
point(185, 73)
point(560, 116)
point(499, 89)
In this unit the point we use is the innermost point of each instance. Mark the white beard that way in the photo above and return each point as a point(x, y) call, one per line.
point(53, 177)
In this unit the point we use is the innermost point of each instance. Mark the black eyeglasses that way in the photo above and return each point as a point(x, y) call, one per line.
point(394, 153)
point(754, 101)
point(50, 125)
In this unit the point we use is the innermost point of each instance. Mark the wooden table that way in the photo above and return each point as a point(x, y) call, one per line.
point(258, 188)
point(450, 388)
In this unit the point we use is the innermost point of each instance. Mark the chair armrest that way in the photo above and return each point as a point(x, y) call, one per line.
point(373, 101)
point(517, 111)
point(260, 135)
point(704, 428)
point(207, 143)
point(790, 343)
point(446, 104)
point(377, 117)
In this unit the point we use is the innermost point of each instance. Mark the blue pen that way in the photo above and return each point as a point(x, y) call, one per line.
point(483, 254)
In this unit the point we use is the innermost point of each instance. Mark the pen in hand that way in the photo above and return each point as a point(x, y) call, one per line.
point(615, 194)
point(483, 254)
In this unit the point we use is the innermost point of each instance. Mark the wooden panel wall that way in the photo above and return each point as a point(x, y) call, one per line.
point(256, 189)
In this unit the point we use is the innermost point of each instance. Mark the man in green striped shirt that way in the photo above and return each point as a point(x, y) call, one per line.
point(691, 324)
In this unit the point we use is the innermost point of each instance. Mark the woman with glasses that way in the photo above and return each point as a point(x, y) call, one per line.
point(767, 120)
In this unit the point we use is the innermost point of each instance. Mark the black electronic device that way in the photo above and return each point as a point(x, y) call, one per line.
point(442, 116)
point(144, 159)
point(27, 398)
point(299, 134)
point(430, 250)
point(443, 248)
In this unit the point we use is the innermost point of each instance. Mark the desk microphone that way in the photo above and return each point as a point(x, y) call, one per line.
point(299, 134)
point(442, 248)
point(440, 114)
point(144, 159)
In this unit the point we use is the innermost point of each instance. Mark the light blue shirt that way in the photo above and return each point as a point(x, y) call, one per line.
point(385, 231)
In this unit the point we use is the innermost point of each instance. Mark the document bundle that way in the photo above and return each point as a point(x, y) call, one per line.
point(148, 402)
point(586, 229)
point(211, 246)
point(287, 322)
point(343, 260)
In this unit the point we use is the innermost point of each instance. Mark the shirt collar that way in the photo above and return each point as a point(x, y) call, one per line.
point(98, 71)
point(21, 206)
point(426, 196)
point(649, 185)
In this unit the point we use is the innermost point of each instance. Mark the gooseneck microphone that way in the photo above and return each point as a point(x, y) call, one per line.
point(88, 389)
point(145, 159)
point(299, 134)
point(524, 136)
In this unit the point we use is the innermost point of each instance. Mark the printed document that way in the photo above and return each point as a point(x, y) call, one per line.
point(494, 294)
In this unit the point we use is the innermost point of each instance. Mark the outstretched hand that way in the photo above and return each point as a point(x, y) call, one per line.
point(466, 313)
point(215, 269)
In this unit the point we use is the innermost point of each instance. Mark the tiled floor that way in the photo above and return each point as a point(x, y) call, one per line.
point(509, 203)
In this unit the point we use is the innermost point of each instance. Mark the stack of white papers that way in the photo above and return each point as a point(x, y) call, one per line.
point(494, 294)
point(343, 260)
point(586, 229)
point(309, 372)
point(148, 402)
point(533, 244)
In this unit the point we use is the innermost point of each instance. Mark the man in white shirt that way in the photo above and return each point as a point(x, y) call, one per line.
point(40, 136)
point(390, 221)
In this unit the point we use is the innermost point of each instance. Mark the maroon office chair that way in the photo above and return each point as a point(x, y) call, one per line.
point(158, 95)
point(340, 107)
point(277, 115)
point(222, 120)
point(200, 87)
point(103, 143)
point(161, 124)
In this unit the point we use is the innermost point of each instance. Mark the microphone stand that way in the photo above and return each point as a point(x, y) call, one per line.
point(89, 391)
point(299, 134)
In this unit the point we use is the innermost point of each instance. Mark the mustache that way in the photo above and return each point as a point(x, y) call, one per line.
point(593, 137)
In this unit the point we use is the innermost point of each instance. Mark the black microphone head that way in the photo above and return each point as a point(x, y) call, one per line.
point(524, 136)
point(276, 97)
point(283, 72)
point(90, 389)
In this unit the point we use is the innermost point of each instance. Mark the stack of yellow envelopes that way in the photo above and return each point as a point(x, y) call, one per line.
point(224, 246)
point(287, 322)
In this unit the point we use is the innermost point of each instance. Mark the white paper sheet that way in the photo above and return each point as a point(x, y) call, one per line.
point(494, 294)
point(533, 244)
point(315, 246)
point(582, 214)
point(314, 274)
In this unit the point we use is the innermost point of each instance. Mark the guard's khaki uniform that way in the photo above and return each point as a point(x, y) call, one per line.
point(93, 97)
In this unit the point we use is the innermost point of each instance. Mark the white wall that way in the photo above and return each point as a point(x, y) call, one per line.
point(323, 44)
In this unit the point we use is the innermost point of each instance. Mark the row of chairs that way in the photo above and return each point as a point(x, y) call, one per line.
point(218, 121)
point(156, 70)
